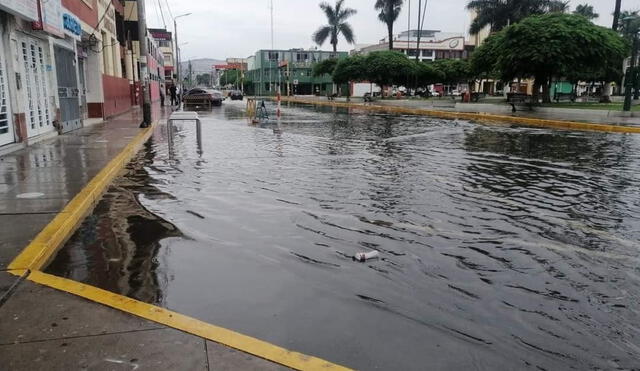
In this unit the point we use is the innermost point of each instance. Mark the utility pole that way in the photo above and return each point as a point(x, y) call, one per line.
point(175, 31)
point(418, 39)
point(144, 73)
point(629, 78)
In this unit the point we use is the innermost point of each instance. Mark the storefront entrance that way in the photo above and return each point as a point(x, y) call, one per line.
point(68, 92)
point(6, 120)
point(35, 60)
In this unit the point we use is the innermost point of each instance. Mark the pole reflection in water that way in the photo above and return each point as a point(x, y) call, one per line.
point(171, 130)
point(118, 247)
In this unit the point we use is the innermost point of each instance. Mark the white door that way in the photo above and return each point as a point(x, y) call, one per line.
point(6, 120)
point(35, 58)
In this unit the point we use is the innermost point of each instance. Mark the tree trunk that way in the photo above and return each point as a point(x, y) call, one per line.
point(390, 29)
point(616, 15)
point(335, 48)
point(546, 97)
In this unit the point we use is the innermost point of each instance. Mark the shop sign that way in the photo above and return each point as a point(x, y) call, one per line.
point(71, 24)
point(27, 9)
point(50, 18)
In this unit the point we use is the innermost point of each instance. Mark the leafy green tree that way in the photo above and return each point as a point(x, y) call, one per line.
point(353, 68)
point(573, 45)
point(327, 67)
point(484, 60)
point(389, 12)
point(203, 79)
point(586, 11)
point(337, 24)
point(453, 70)
point(427, 74)
point(231, 77)
point(497, 14)
point(388, 68)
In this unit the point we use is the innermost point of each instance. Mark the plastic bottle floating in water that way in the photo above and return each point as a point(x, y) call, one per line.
point(364, 256)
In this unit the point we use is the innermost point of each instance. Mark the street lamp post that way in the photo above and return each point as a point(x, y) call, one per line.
point(630, 73)
point(175, 31)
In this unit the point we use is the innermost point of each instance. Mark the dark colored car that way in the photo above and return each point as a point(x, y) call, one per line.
point(198, 96)
point(235, 95)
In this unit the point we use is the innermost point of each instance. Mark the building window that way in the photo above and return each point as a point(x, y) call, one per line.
point(302, 57)
point(411, 52)
point(272, 56)
point(427, 53)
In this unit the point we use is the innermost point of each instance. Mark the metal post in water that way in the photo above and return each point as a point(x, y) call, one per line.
point(278, 113)
point(199, 136)
point(144, 73)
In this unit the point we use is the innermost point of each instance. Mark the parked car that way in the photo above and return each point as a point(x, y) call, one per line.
point(198, 96)
point(456, 93)
point(235, 95)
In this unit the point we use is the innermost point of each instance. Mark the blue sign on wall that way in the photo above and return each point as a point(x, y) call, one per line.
point(71, 25)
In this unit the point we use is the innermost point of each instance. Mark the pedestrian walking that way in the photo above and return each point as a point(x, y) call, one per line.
point(174, 97)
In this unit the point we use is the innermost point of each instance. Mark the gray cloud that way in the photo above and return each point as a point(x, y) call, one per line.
point(237, 28)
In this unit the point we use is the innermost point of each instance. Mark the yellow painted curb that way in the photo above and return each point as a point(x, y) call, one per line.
point(485, 117)
point(49, 240)
point(187, 324)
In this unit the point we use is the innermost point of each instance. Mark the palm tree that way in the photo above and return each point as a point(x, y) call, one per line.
point(616, 15)
point(336, 16)
point(628, 22)
point(586, 11)
point(389, 12)
point(497, 14)
point(558, 6)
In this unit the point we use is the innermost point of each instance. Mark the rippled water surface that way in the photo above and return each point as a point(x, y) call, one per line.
point(500, 247)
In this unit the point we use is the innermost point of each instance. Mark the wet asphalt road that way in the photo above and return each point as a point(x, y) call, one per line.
point(501, 247)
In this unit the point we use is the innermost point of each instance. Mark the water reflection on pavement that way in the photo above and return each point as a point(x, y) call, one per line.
point(501, 247)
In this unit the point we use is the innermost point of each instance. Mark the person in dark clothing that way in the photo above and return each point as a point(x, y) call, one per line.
point(174, 95)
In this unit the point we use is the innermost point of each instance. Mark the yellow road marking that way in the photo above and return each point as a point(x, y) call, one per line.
point(51, 238)
point(36, 255)
point(187, 324)
point(17, 272)
point(486, 117)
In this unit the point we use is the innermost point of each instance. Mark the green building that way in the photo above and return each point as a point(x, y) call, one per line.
point(290, 70)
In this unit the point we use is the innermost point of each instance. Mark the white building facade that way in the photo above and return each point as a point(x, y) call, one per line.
point(433, 45)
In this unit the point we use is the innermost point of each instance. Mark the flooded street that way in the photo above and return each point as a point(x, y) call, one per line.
point(500, 247)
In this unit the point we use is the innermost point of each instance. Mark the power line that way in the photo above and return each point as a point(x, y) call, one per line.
point(164, 24)
point(169, 9)
point(155, 9)
point(424, 11)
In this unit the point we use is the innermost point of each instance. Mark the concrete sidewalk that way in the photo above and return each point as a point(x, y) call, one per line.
point(45, 329)
point(549, 113)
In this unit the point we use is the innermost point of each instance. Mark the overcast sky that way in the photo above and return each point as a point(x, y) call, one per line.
point(237, 28)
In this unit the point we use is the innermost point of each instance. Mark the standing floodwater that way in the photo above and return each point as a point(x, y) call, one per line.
point(499, 248)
